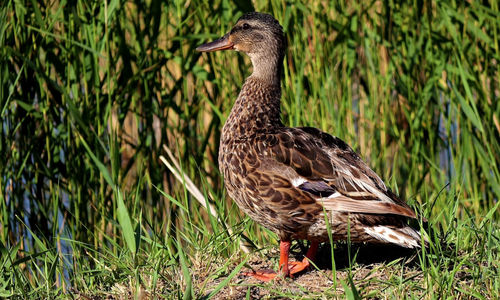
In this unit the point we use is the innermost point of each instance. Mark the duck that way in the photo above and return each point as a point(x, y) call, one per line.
point(297, 182)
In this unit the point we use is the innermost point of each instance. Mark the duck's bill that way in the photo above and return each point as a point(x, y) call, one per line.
point(220, 44)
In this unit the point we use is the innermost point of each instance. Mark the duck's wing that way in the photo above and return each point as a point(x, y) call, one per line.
point(327, 168)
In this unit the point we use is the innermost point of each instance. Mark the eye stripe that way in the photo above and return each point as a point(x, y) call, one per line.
point(235, 29)
point(244, 26)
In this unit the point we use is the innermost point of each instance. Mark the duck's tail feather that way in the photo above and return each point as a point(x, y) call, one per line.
point(407, 236)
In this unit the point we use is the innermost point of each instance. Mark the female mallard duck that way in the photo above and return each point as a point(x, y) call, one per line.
point(287, 179)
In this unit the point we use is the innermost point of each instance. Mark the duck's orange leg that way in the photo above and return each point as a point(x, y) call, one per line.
point(299, 266)
point(287, 268)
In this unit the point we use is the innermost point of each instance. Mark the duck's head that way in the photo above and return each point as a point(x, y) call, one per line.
point(258, 35)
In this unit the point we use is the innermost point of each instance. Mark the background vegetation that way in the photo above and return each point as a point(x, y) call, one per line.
point(91, 91)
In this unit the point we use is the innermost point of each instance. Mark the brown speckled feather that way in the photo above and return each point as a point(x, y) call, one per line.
point(348, 184)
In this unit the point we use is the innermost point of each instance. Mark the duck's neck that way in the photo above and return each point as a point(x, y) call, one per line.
point(268, 68)
point(256, 110)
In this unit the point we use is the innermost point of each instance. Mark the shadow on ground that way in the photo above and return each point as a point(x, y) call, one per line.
point(360, 254)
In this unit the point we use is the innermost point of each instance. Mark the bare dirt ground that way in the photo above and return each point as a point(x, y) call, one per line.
point(369, 270)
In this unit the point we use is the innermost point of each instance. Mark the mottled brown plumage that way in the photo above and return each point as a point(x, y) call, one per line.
point(287, 179)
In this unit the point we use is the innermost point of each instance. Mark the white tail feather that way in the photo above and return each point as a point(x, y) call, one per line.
point(406, 237)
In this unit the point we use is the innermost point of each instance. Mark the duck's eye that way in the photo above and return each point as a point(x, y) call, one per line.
point(245, 26)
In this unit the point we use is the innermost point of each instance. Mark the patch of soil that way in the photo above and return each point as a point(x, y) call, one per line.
point(368, 262)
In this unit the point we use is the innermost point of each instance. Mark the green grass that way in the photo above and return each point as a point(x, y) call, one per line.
point(90, 92)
